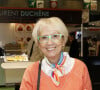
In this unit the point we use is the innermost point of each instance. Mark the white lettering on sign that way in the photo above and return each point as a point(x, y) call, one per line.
point(9, 13)
point(23, 13)
point(35, 13)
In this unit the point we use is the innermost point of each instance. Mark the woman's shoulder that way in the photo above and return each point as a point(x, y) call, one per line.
point(80, 66)
point(80, 63)
point(33, 66)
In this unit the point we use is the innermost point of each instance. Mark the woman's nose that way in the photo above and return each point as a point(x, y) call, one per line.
point(50, 41)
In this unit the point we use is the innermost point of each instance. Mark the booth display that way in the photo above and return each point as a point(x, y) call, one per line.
point(14, 71)
point(16, 58)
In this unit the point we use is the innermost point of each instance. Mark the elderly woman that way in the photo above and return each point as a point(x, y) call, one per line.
point(58, 71)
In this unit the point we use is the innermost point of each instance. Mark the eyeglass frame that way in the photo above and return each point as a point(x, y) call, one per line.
point(49, 36)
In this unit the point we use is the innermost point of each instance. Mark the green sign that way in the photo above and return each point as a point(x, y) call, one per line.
point(32, 3)
point(87, 5)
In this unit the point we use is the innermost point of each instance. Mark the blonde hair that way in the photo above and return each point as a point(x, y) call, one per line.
point(53, 22)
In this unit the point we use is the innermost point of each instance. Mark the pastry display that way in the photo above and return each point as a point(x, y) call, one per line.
point(16, 58)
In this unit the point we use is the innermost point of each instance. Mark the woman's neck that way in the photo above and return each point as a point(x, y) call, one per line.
point(54, 60)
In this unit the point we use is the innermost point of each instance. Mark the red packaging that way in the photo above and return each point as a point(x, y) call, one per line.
point(53, 3)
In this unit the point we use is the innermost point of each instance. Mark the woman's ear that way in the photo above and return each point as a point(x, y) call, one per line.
point(64, 42)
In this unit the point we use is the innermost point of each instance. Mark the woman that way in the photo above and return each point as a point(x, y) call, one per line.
point(58, 70)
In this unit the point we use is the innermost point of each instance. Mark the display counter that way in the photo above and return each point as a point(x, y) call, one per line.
point(14, 71)
point(2, 78)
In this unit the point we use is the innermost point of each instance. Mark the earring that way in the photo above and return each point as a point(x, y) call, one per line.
point(63, 48)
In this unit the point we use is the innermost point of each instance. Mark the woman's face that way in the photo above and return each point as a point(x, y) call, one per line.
point(50, 47)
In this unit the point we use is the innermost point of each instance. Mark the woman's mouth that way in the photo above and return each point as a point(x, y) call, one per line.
point(50, 49)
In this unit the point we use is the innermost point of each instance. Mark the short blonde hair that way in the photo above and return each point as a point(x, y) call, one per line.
point(53, 22)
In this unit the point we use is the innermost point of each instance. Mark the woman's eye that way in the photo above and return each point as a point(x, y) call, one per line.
point(55, 36)
point(44, 37)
